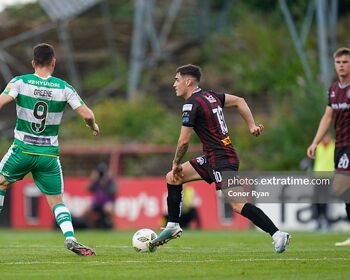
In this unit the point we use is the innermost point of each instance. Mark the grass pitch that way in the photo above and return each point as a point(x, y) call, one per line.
point(196, 255)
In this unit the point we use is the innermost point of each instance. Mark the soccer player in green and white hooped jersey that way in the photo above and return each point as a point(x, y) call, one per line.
point(40, 102)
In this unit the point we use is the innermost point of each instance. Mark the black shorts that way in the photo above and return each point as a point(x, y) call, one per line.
point(342, 158)
point(207, 173)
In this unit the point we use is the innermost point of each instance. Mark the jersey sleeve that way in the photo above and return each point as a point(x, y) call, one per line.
point(73, 97)
point(221, 97)
point(329, 97)
point(189, 113)
point(13, 88)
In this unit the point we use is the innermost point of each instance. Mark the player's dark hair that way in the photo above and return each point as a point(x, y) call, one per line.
point(191, 70)
point(341, 52)
point(43, 54)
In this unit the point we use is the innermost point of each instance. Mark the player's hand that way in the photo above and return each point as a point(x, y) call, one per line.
point(311, 151)
point(95, 129)
point(177, 172)
point(256, 130)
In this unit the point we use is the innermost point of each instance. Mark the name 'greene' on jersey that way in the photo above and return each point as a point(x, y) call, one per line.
point(203, 111)
point(40, 104)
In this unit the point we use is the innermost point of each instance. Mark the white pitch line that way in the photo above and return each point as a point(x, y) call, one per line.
point(60, 246)
point(181, 249)
point(182, 261)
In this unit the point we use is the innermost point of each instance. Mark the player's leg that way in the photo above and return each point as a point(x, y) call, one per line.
point(261, 220)
point(174, 199)
point(341, 182)
point(256, 215)
point(47, 175)
point(346, 242)
point(3, 182)
point(13, 167)
point(3, 188)
point(64, 220)
point(193, 170)
point(347, 209)
point(62, 214)
point(253, 213)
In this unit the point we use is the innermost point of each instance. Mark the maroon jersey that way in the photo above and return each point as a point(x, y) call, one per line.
point(203, 112)
point(339, 101)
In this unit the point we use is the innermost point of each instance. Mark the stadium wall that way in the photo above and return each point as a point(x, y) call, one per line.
point(140, 202)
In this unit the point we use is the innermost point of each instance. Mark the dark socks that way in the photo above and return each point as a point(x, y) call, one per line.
point(174, 202)
point(345, 196)
point(259, 218)
point(347, 208)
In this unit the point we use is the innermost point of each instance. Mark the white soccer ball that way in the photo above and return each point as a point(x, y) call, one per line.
point(141, 239)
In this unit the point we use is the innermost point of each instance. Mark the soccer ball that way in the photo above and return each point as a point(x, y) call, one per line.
point(141, 239)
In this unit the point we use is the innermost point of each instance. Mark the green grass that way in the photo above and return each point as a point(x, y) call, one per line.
point(196, 255)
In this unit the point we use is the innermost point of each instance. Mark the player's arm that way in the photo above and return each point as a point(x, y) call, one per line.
point(323, 127)
point(182, 144)
point(181, 149)
point(4, 99)
point(86, 113)
point(80, 107)
point(243, 109)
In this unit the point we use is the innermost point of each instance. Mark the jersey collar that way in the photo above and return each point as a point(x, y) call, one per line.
point(197, 89)
point(42, 77)
point(343, 86)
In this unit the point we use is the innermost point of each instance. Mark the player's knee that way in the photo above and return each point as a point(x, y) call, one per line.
point(171, 180)
point(3, 183)
point(237, 207)
point(168, 178)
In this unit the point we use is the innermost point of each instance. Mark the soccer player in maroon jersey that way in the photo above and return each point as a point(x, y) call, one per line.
point(338, 108)
point(202, 112)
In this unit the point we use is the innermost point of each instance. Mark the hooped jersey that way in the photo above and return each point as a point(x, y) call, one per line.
point(204, 112)
point(339, 101)
point(39, 106)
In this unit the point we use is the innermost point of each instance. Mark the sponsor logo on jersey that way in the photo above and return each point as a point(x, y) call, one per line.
point(341, 106)
point(226, 141)
point(187, 107)
point(210, 98)
point(185, 120)
point(185, 117)
point(43, 93)
point(333, 94)
point(37, 140)
point(43, 83)
point(200, 160)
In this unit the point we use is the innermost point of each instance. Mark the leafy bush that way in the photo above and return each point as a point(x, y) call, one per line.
point(287, 134)
point(252, 60)
point(140, 121)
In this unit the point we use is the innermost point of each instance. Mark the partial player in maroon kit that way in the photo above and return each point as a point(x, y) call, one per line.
point(202, 113)
point(338, 109)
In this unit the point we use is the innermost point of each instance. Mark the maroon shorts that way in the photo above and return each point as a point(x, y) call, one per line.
point(207, 173)
point(342, 159)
